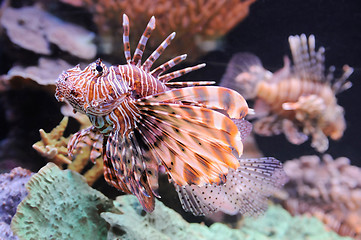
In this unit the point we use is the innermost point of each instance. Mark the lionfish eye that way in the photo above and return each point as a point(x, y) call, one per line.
point(99, 68)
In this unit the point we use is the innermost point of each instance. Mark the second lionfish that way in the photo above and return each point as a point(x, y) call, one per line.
point(142, 123)
point(298, 100)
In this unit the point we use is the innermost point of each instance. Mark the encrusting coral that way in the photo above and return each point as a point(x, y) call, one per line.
point(42, 29)
point(196, 23)
point(164, 223)
point(53, 146)
point(12, 192)
point(60, 205)
point(329, 190)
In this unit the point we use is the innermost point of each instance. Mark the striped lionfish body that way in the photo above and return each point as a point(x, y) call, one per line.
point(299, 101)
point(142, 122)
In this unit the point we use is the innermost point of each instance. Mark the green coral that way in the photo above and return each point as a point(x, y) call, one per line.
point(60, 205)
point(164, 223)
point(277, 223)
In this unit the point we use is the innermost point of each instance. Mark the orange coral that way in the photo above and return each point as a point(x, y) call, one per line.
point(195, 22)
point(53, 146)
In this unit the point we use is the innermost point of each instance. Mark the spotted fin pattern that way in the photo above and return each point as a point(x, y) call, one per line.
point(245, 191)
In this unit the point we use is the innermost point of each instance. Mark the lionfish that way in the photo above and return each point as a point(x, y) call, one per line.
point(142, 124)
point(298, 100)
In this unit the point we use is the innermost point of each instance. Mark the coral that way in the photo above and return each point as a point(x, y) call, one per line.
point(45, 73)
point(42, 29)
point(12, 192)
point(6, 233)
point(329, 190)
point(197, 23)
point(164, 223)
point(60, 205)
point(53, 146)
point(277, 223)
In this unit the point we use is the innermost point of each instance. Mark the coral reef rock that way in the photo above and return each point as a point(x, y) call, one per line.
point(277, 223)
point(42, 29)
point(197, 23)
point(45, 73)
point(12, 192)
point(164, 223)
point(329, 190)
point(60, 205)
point(6, 233)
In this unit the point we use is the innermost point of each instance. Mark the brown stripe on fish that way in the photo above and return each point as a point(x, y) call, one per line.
point(143, 41)
point(126, 38)
point(179, 73)
point(168, 65)
point(155, 55)
point(190, 175)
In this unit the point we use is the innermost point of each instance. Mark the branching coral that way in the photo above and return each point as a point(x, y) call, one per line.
point(328, 189)
point(42, 29)
point(53, 146)
point(195, 22)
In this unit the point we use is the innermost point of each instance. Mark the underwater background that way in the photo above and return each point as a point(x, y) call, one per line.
point(27, 106)
point(265, 32)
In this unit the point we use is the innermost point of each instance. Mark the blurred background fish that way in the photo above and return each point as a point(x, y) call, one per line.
point(298, 100)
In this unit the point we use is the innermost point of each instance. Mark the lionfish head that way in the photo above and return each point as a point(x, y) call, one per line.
point(72, 85)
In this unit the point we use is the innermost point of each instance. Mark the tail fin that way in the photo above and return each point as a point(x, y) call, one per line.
point(245, 191)
point(243, 73)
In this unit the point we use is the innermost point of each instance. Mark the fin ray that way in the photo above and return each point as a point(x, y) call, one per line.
point(246, 190)
point(212, 97)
